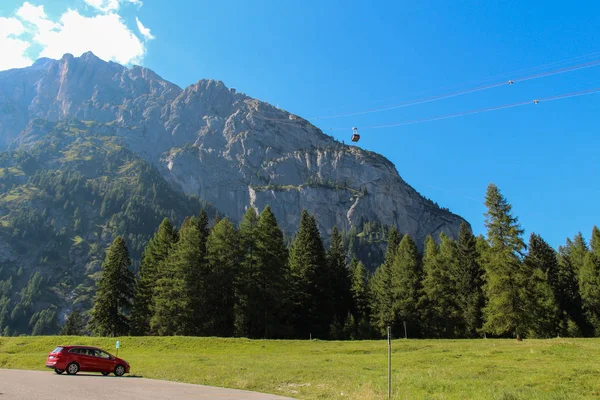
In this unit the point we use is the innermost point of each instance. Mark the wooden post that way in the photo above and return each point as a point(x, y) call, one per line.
point(389, 364)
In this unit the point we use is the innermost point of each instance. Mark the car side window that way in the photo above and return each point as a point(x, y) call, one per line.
point(102, 354)
point(75, 351)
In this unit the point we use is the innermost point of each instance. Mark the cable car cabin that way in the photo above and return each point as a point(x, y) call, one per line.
point(355, 135)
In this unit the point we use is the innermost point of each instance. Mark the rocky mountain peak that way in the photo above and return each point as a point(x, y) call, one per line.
point(229, 149)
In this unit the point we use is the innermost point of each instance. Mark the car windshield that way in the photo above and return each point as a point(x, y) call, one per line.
point(57, 350)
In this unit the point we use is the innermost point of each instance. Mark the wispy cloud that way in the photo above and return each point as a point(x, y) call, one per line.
point(104, 33)
point(143, 30)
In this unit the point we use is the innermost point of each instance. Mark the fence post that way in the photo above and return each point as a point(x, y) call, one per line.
point(389, 364)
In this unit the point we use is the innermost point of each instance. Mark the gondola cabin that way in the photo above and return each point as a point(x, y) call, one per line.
point(355, 135)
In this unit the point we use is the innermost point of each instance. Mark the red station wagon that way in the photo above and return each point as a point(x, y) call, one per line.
point(85, 358)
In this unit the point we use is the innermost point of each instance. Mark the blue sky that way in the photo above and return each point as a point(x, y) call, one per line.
point(317, 58)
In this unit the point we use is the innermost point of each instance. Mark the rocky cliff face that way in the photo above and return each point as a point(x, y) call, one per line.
point(231, 150)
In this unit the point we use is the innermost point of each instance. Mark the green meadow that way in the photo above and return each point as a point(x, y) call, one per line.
point(313, 369)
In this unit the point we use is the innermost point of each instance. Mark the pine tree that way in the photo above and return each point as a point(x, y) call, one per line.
point(74, 325)
point(223, 253)
point(273, 279)
point(589, 282)
point(339, 279)
point(380, 287)
point(153, 258)
point(439, 288)
point(430, 316)
point(247, 291)
point(542, 267)
point(469, 282)
point(313, 313)
point(578, 250)
point(359, 289)
point(573, 320)
point(114, 295)
point(505, 278)
point(406, 285)
point(179, 294)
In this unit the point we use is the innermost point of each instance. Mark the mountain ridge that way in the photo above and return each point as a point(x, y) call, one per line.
point(229, 149)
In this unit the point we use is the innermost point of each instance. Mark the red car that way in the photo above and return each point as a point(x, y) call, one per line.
point(85, 358)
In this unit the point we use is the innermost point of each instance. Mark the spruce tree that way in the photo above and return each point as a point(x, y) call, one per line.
point(380, 286)
point(430, 262)
point(153, 258)
point(313, 312)
point(339, 277)
point(223, 253)
point(272, 280)
point(505, 278)
point(439, 288)
point(360, 310)
point(359, 289)
point(572, 318)
point(578, 250)
point(114, 294)
point(406, 286)
point(469, 282)
point(542, 267)
point(589, 282)
point(248, 294)
point(179, 295)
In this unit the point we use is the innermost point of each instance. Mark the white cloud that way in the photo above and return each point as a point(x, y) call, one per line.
point(143, 30)
point(105, 34)
point(110, 5)
point(14, 49)
point(35, 16)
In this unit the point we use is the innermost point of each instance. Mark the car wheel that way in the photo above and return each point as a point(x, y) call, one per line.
point(119, 370)
point(59, 371)
point(105, 373)
point(72, 368)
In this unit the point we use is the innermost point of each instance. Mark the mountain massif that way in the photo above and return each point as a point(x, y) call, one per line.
point(90, 149)
point(229, 149)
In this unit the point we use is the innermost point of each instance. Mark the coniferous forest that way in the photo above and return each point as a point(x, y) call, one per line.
point(213, 278)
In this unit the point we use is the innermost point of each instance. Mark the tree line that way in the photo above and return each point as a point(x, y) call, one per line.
point(218, 279)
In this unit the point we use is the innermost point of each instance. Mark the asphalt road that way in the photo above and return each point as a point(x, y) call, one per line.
point(46, 385)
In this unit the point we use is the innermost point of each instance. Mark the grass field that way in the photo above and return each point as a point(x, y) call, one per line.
point(421, 369)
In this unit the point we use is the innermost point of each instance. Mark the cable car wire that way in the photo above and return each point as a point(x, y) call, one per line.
point(477, 111)
point(463, 92)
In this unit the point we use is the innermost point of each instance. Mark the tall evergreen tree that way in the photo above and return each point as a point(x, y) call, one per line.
point(339, 279)
point(359, 289)
point(247, 291)
point(406, 285)
point(179, 294)
point(272, 280)
point(439, 288)
point(589, 282)
point(430, 262)
point(505, 278)
point(380, 286)
point(542, 267)
point(573, 320)
point(578, 250)
point(155, 253)
point(223, 252)
point(313, 313)
point(469, 294)
point(114, 294)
